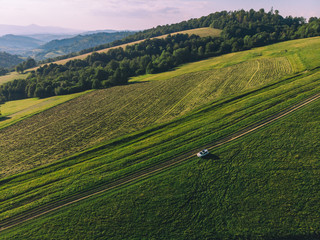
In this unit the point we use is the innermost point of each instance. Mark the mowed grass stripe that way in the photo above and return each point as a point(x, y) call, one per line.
point(94, 125)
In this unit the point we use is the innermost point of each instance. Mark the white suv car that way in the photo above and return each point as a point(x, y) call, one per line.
point(203, 153)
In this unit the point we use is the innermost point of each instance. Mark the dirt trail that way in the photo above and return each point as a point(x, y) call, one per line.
point(144, 173)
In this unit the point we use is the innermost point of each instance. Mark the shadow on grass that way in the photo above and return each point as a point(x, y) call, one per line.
point(211, 156)
point(4, 118)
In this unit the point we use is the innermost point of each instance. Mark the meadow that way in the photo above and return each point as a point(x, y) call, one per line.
point(262, 186)
point(150, 146)
point(14, 111)
point(106, 114)
point(131, 127)
point(99, 116)
point(12, 76)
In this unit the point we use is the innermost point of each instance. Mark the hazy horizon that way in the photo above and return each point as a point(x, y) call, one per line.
point(134, 14)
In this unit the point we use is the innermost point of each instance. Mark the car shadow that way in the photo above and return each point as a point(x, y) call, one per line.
point(211, 156)
point(4, 118)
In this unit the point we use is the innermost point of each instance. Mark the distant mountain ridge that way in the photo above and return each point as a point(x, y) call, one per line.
point(35, 29)
point(14, 44)
point(49, 37)
point(75, 44)
point(41, 42)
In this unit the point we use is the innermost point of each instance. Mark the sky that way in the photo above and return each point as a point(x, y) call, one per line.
point(135, 14)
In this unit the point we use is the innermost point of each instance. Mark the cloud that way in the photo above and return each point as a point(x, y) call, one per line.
point(119, 14)
point(150, 13)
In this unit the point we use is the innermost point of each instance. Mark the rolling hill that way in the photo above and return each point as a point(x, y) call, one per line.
point(18, 44)
point(8, 60)
point(119, 161)
point(158, 118)
point(60, 47)
point(139, 106)
point(244, 191)
point(202, 32)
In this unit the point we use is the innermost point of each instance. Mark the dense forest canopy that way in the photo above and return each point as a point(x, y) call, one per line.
point(241, 30)
point(3, 71)
point(8, 60)
point(220, 20)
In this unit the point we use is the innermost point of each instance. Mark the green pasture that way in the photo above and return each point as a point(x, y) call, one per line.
point(12, 76)
point(146, 147)
point(263, 186)
point(14, 111)
point(103, 135)
point(106, 114)
point(302, 53)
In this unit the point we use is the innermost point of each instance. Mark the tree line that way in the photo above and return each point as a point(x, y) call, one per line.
point(29, 63)
point(241, 30)
point(3, 71)
point(249, 20)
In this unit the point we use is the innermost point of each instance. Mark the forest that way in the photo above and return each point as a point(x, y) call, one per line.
point(8, 60)
point(241, 30)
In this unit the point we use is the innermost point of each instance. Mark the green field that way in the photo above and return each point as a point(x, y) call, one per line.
point(14, 111)
point(302, 54)
point(264, 186)
point(156, 118)
point(202, 32)
point(105, 114)
point(140, 149)
point(12, 76)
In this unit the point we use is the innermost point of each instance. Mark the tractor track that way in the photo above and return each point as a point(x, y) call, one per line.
point(143, 173)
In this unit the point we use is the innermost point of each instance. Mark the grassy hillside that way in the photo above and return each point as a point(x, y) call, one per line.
point(300, 54)
point(202, 32)
point(143, 148)
point(261, 186)
point(264, 186)
point(105, 114)
point(18, 110)
point(110, 113)
point(12, 76)
point(222, 101)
